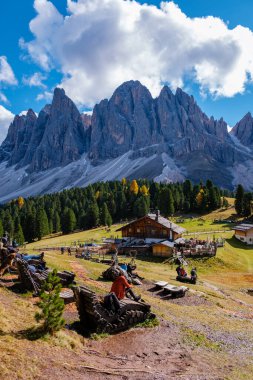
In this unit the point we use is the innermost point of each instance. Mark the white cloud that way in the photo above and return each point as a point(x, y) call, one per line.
point(6, 118)
point(102, 43)
point(3, 98)
point(35, 80)
point(47, 96)
point(6, 73)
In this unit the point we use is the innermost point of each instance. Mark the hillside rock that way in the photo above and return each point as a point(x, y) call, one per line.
point(131, 134)
point(63, 139)
point(126, 122)
point(243, 130)
point(14, 147)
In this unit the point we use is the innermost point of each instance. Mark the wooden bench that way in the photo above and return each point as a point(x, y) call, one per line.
point(176, 291)
point(33, 280)
point(160, 284)
point(95, 317)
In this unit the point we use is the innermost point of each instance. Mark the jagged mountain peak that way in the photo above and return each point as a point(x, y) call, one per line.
point(172, 129)
point(243, 130)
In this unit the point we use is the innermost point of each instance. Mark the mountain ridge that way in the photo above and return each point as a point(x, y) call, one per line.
point(171, 128)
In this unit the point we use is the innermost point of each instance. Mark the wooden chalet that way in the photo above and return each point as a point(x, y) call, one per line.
point(244, 232)
point(152, 226)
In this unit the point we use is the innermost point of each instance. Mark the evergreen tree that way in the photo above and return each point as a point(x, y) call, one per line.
point(213, 199)
point(68, 221)
point(1, 228)
point(239, 199)
point(18, 234)
point(225, 203)
point(93, 215)
point(105, 219)
point(51, 305)
point(42, 228)
point(166, 202)
point(140, 207)
point(56, 222)
point(247, 204)
point(29, 227)
point(8, 223)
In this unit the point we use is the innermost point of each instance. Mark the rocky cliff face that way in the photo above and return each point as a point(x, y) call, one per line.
point(243, 130)
point(63, 137)
point(56, 138)
point(166, 138)
point(126, 122)
point(14, 147)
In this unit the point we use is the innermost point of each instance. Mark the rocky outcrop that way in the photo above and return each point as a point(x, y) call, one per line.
point(243, 130)
point(14, 147)
point(63, 137)
point(155, 138)
point(126, 122)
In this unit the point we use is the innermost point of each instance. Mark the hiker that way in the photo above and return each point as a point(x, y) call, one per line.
point(183, 272)
point(178, 270)
point(124, 267)
point(39, 257)
point(62, 250)
point(122, 288)
point(69, 251)
point(111, 302)
point(194, 274)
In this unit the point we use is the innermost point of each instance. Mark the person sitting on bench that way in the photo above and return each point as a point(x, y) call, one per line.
point(194, 274)
point(122, 288)
point(183, 272)
point(178, 270)
point(30, 257)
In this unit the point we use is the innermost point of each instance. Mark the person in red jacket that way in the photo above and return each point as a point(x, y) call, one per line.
point(121, 288)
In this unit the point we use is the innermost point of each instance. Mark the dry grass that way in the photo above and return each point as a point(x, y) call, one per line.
point(215, 317)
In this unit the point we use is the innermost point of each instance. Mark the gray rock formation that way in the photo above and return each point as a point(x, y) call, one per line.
point(15, 145)
point(132, 135)
point(126, 122)
point(63, 138)
point(243, 130)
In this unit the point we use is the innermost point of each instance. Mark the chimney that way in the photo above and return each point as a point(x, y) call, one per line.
point(157, 215)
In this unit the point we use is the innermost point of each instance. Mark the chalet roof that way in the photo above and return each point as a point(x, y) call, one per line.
point(167, 243)
point(161, 220)
point(243, 227)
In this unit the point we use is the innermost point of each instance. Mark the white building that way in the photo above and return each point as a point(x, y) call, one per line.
point(244, 232)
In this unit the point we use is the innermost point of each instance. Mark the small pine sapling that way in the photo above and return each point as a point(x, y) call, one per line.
point(51, 305)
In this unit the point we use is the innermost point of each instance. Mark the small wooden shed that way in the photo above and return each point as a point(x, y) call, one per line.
point(163, 249)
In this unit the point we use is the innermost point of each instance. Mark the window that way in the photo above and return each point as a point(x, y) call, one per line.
point(153, 232)
point(138, 230)
point(164, 232)
point(130, 230)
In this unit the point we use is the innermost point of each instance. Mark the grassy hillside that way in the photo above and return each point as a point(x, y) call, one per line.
point(206, 335)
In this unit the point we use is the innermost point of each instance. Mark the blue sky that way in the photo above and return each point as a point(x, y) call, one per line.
point(84, 74)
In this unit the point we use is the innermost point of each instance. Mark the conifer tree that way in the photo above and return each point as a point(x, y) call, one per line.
point(247, 204)
point(239, 199)
point(144, 190)
point(51, 305)
point(18, 234)
point(8, 223)
point(166, 202)
point(56, 222)
point(29, 226)
point(1, 228)
point(140, 207)
point(42, 228)
point(105, 219)
point(134, 188)
point(93, 215)
point(68, 221)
